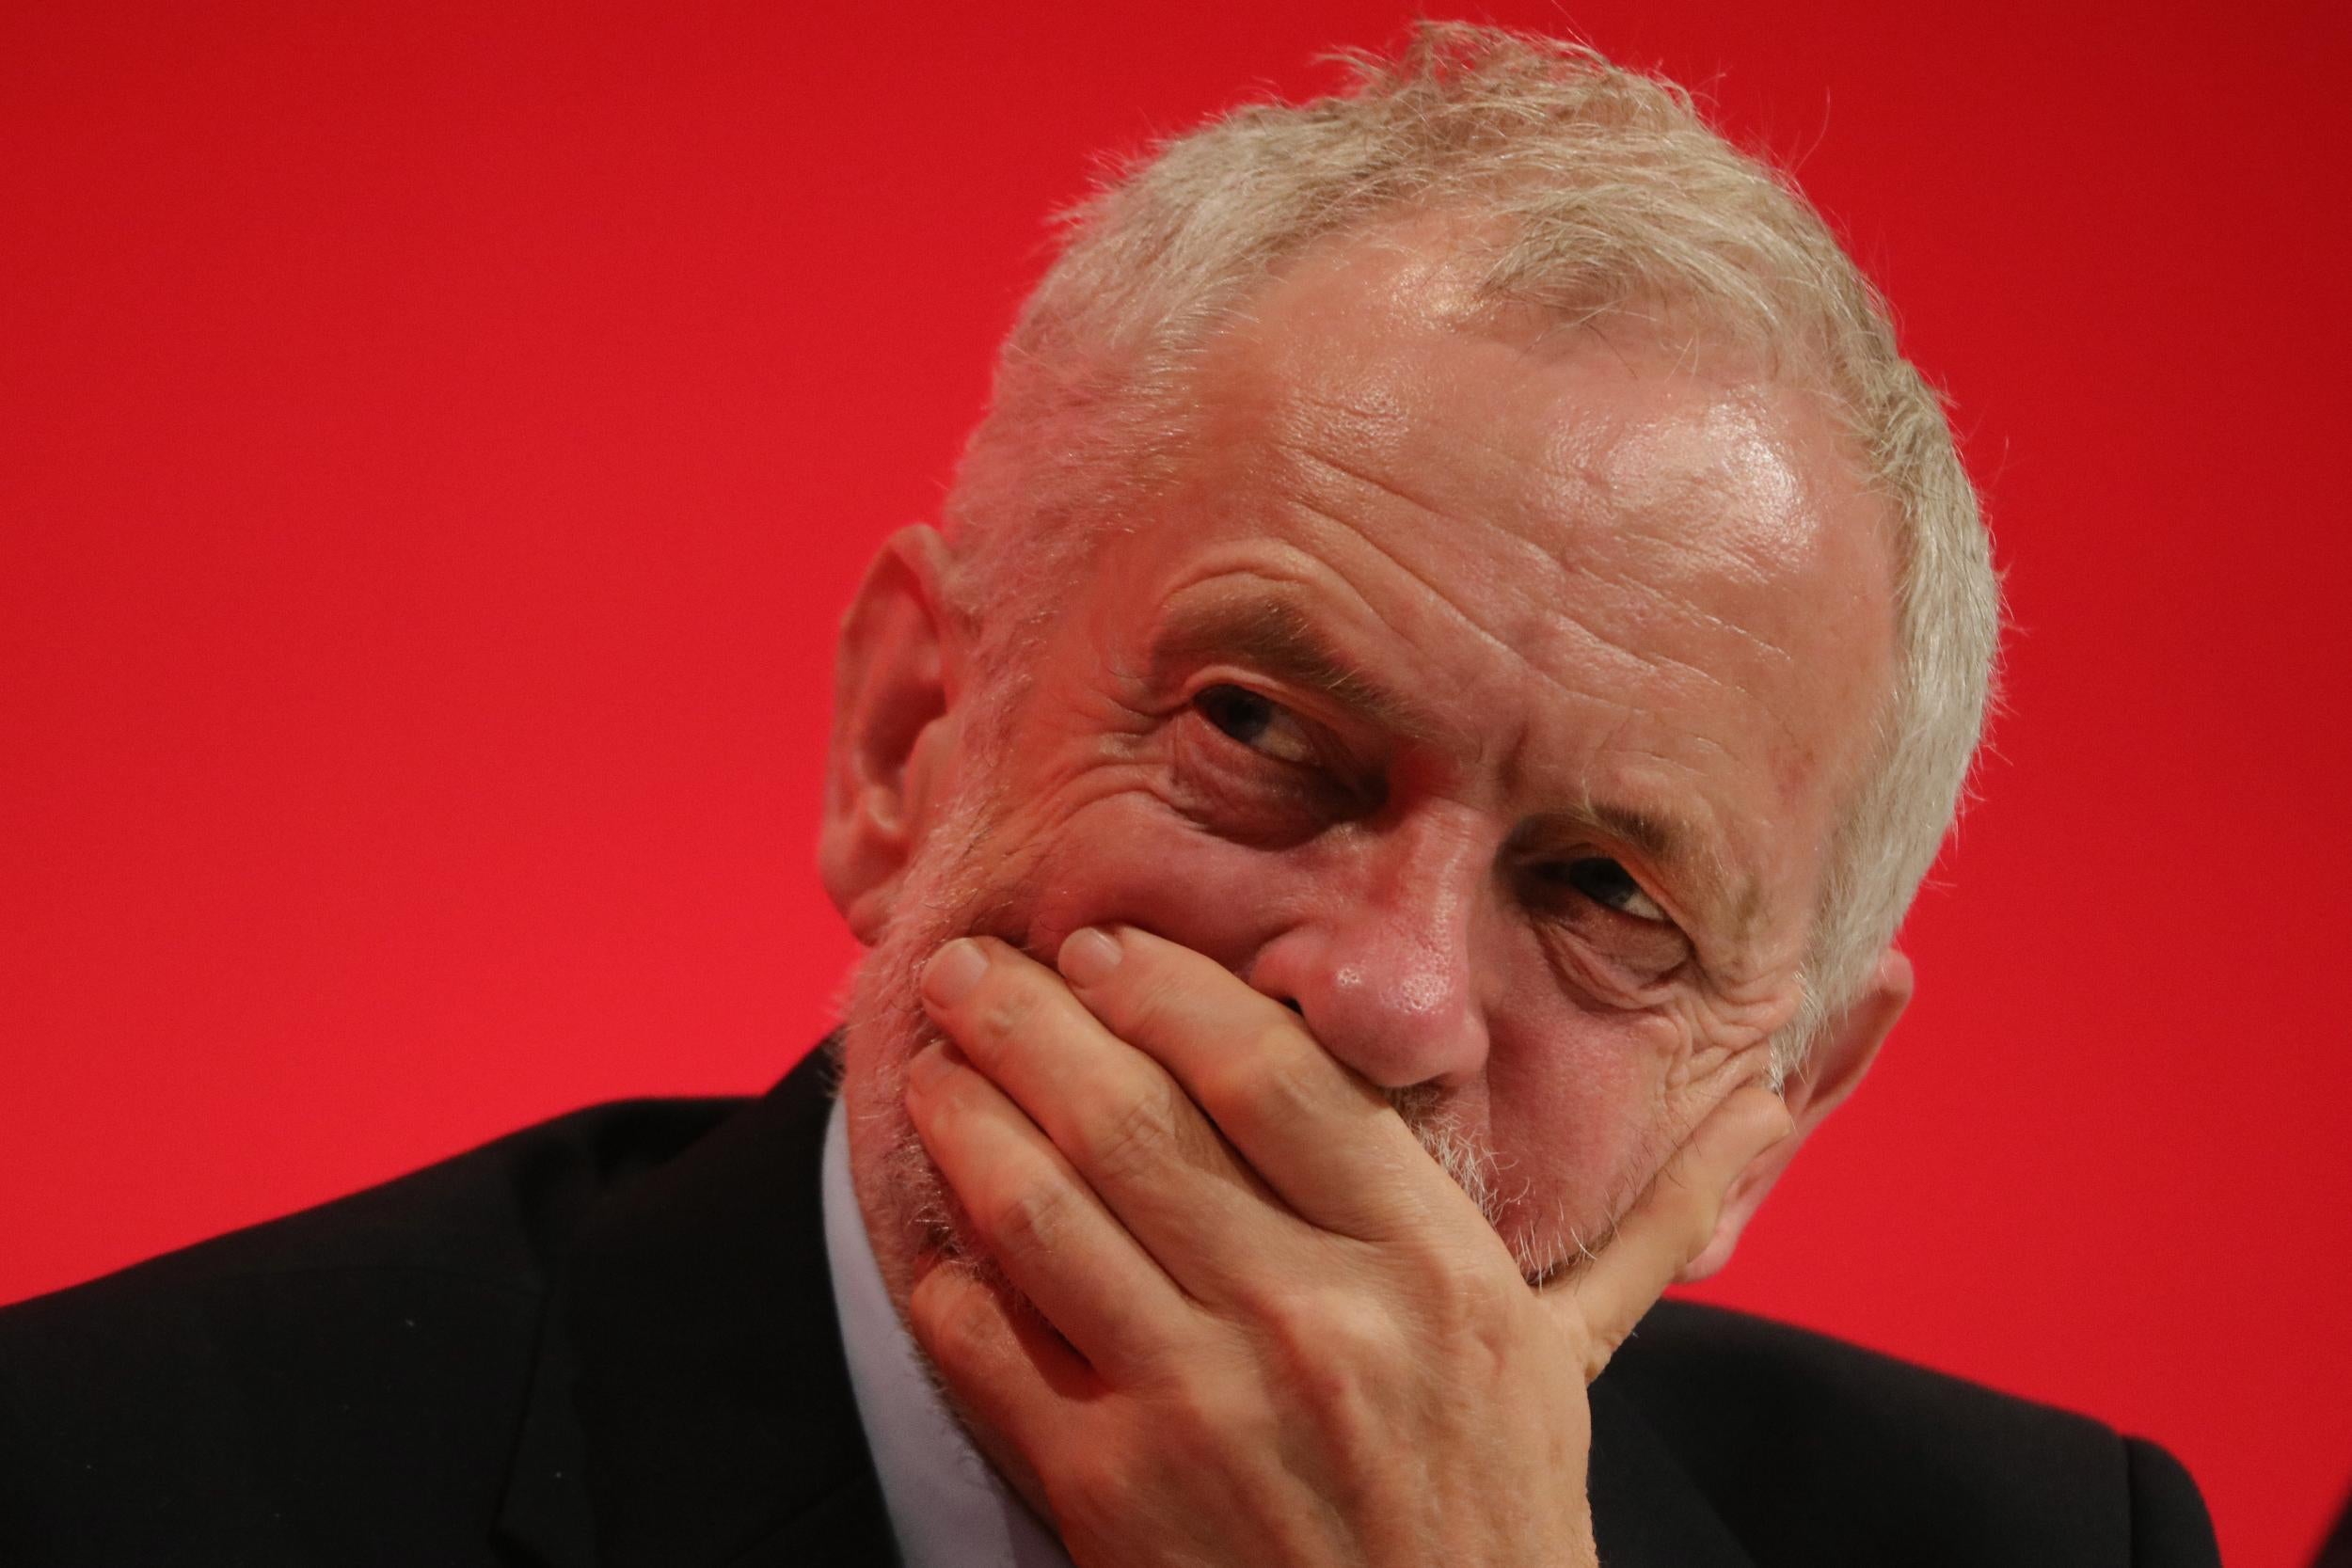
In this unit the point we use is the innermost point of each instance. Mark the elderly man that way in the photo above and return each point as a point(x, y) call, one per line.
point(1380, 823)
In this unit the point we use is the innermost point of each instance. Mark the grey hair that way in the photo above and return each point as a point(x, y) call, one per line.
point(1610, 196)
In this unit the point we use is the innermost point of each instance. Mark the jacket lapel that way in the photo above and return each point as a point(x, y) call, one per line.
point(1647, 1512)
point(691, 1372)
point(543, 1513)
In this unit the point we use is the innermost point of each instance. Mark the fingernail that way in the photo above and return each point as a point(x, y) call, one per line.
point(1087, 955)
point(953, 971)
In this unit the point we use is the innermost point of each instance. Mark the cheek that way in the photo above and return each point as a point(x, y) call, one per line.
point(1587, 1111)
point(1127, 858)
point(1575, 1110)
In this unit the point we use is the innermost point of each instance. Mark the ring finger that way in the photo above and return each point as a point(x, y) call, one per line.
point(1039, 1220)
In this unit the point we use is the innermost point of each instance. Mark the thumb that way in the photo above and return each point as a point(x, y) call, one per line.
point(1668, 1226)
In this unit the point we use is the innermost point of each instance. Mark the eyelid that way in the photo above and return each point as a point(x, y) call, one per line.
point(1642, 971)
point(1299, 705)
point(1339, 774)
point(1307, 741)
point(1568, 857)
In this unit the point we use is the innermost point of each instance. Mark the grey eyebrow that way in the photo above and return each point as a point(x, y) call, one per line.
point(1275, 636)
point(1730, 900)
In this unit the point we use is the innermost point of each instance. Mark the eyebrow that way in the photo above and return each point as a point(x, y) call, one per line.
point(1276, 637)
point(1731, 899)
point(1271, 634)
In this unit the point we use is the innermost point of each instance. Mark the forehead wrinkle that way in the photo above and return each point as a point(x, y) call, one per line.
point(1370, 481)
point(1738, 552)
point(1436, 590)
point(1630, 583)
point(1709, 871)
point(1658, 659)
point(1638, 585)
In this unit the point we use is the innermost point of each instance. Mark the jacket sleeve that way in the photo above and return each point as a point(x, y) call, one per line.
point(2169, 1526)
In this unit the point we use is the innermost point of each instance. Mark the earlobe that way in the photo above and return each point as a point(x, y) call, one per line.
point(897, 675)
point(1832, 1072)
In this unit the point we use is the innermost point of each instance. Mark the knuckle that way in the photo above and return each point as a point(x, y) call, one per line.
point(1205, 1418)
point(1601, 1344)
point(1338, 1352)
point(1189, 1419)
point(1150, 999)
point(1327, 1342)
point(945, 1107)
point(1670, 1211)
point(1266, 1077)
point(1694, 1221)
point(1028, 1219)
point(1090, 1488)
point(1005, 1009)
point(1134, 1139)
point(947, 1320)
point(1462, 1298)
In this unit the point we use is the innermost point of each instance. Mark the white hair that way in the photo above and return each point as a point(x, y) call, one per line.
point(1612, 195)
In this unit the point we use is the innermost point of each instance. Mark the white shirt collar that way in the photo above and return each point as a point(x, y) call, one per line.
point(948, 1505)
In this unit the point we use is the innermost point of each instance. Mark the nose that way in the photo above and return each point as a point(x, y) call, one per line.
point(1384, 972)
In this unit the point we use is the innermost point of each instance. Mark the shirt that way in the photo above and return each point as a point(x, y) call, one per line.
point(948, 1506)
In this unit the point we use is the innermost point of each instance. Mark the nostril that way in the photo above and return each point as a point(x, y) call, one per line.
point(1292, 1003)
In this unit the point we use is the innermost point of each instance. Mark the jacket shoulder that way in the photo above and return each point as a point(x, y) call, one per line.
point(349, 1360)
point(1816, 1450)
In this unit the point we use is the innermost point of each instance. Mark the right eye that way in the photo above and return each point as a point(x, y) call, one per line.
point(1610, 885)
point(1258, 723)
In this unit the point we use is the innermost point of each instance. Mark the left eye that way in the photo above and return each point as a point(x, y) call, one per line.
point(1606, 883)
point(1258, 723)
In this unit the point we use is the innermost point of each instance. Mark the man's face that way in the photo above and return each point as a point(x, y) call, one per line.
point(1487, 689)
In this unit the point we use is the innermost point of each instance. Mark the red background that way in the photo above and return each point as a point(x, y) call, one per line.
point(435, 439)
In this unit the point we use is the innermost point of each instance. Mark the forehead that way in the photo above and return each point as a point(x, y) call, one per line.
point(1608, 564)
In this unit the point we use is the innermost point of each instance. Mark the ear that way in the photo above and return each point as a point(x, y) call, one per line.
point(1832, 1071)
point(897, 675)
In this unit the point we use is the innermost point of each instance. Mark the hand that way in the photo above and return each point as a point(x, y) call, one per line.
point(1279, 1332)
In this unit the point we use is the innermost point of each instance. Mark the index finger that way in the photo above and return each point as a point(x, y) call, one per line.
point(1670, 1225)
point(1323, 1138)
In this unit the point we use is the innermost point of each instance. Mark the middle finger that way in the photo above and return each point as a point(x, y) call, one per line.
point(1120, 1118)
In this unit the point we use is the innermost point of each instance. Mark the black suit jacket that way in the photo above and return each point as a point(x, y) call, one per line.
point(610, 1341)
